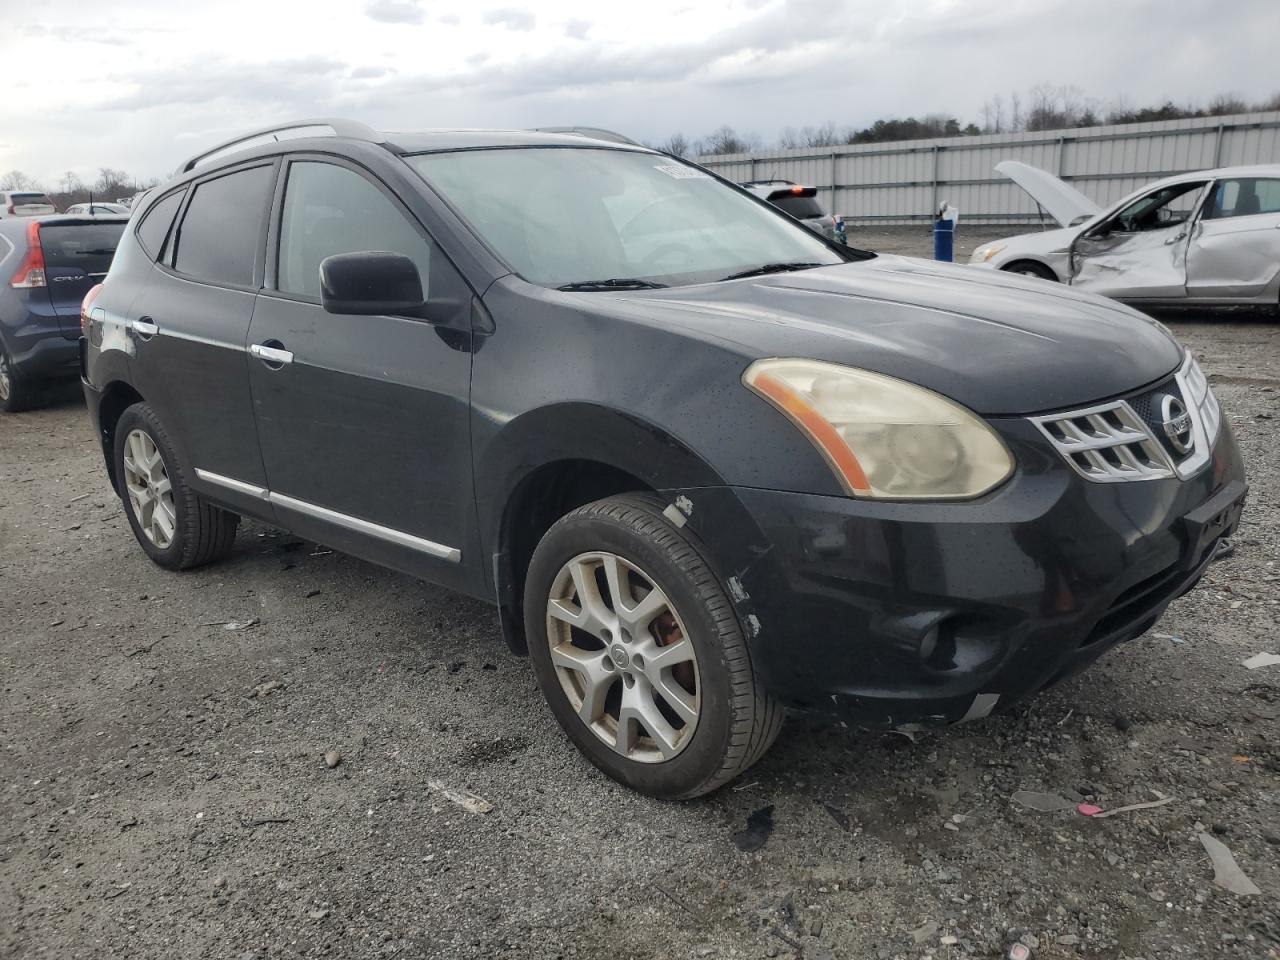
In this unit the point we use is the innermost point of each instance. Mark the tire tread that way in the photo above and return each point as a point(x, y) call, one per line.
point(756, 717)
point(208, 532)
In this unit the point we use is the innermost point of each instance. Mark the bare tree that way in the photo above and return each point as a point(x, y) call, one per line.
point(17, 180)
point(993, 115)
point(1227, 103)
point(677, 145)
point(70, 182)
point(727, 140)
point(111, 182)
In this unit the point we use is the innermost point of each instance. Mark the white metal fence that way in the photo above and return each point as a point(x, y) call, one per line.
point(904, 182)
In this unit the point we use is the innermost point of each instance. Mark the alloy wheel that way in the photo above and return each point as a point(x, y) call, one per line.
point(6, 383)
point(623, 657)
point(149, 488)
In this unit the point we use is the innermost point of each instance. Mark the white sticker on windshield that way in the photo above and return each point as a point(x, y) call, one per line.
point(678, 171)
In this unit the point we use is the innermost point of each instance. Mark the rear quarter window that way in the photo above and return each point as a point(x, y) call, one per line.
point(156, 223)
point(221, 232)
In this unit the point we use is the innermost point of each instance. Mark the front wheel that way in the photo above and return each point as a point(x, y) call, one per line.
point(639, 653)
point(1029, 268)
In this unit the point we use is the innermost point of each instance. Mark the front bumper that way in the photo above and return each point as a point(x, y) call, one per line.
point(887, 613)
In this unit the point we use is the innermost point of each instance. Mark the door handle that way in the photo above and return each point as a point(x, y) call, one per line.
point(144, 327)
point(1173, 240)
point(272, 356)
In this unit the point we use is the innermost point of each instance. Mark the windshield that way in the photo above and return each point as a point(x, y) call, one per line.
point(572, 215)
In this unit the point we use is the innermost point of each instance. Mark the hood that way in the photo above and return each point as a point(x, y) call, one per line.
point(1045, 243)
point(994, 342)
point(1065, 204)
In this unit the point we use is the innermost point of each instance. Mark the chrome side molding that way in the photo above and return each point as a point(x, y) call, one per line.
point(239, 486)
point(344, 520)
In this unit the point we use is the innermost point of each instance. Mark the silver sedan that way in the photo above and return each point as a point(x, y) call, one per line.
point(1209, 238)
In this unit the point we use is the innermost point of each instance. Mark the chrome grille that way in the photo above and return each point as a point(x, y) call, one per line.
point(1121, 439)
point(1107, 443)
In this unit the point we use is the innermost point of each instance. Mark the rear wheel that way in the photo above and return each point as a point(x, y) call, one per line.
point(1029, 268)
point(175, 526)
point(17, 393)
point(639, 653)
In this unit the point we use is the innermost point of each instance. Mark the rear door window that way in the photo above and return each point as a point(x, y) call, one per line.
point(221, 232)
point(1246, 197)
point(156, 223)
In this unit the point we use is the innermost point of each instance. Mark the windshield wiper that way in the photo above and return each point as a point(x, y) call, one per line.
point(616, 283)
point(761, 270)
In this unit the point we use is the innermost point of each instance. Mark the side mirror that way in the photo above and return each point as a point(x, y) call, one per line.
point(370, 283)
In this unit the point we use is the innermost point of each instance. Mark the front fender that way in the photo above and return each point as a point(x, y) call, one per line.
point(578, 431)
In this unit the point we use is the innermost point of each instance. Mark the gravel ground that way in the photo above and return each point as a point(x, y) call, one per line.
point(164, 791)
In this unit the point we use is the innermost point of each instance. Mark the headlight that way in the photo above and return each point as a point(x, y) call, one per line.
point(1203, 399)
point(884, 437)
point(983, 254)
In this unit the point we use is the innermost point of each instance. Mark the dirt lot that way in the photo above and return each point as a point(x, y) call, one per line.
point(163, 792)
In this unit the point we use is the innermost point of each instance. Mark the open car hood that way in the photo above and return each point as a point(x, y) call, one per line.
point(1062, 202)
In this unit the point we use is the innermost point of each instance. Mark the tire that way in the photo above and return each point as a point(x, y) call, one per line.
point(197, 532)
point(17, 393)
point(714, 716)
point(1029, 268)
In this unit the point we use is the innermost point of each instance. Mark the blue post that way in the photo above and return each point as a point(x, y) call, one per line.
point(944, 239)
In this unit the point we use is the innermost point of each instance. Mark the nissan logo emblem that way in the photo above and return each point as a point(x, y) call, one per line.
point(1176, 423)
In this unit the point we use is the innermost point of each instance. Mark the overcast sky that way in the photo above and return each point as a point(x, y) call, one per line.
point(140, 84)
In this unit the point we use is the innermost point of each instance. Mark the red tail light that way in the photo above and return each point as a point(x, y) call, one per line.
point(85, 306)
point(30, 271)
point(12, 212)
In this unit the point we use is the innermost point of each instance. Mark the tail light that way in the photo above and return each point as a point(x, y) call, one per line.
point(12, 211)
point(85, 306)
point(30, 272)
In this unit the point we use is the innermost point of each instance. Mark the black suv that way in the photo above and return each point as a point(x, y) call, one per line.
point(706, 463)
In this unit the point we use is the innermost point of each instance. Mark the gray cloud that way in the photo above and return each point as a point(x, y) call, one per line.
point(511, 18)
point(769, 65)
point(282, 82)
point(394, 11)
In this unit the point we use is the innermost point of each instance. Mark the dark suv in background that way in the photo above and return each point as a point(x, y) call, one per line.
point(802, 203)
point(47, 265)
point(706, 463)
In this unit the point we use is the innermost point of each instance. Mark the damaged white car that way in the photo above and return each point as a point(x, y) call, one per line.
point(1208, 238)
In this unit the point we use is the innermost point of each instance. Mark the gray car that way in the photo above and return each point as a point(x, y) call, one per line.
point(1211, 238)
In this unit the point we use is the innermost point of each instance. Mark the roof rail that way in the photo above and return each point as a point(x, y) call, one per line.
point(595, 133)
point(337, 128)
